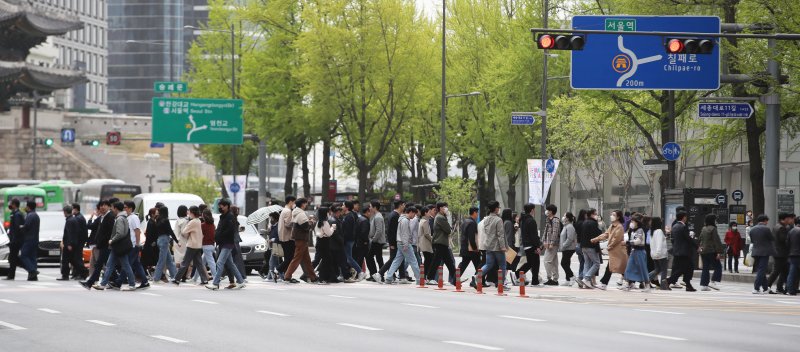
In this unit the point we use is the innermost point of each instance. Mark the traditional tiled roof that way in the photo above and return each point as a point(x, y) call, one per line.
point(21, 77)
point(24, 25)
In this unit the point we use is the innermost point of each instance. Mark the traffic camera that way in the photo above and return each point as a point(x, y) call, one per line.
point(689, 45)
point(560, 42)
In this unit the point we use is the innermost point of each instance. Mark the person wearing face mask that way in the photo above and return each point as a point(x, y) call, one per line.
point(617, 254)
point(711, 251)
point(494, 242)
point(589, 248)
point(568, 242)
point(552, 232)
point(636, 269)
point(734, 246)
point(441, 241)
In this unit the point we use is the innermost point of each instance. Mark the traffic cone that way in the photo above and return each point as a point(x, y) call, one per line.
point(421, 276)
point(479, 283)
point(458, 280)
point(522, 285)
point(441, 279)
point(500, 280)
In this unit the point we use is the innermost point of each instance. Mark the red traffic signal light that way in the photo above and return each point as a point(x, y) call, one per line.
point(560, 42)
point(689, 46)
point(113, 138)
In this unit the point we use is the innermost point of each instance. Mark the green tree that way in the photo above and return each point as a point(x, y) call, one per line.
point(193, 183)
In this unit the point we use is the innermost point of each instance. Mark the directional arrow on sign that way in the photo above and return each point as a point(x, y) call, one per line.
point(724, 110)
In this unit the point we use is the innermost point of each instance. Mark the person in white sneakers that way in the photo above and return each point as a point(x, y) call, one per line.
point(711, 250)
point(567, 246)
point(405, 252)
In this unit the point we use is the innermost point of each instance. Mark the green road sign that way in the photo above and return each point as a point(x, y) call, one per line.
point(621, 24)
point(197, 121)
point(170, 87)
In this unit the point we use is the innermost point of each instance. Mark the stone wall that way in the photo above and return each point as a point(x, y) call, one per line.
point(53, 163)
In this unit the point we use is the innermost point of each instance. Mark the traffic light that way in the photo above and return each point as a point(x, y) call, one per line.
point(560, 41)
point(48, 142)
point(689, 45)
point(91, 142)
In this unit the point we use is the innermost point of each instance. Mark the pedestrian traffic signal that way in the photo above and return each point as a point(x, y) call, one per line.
point(560, 42)
point(48, 142)
point(689, 45)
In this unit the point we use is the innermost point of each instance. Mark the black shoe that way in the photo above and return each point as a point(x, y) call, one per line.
point(293, 281)
point(176, 282)
point(86, 285)
point(33, 277)
point(551, 283)
point(63, 278)
point(665, 286)
point(9, 278)
point(772, 292)
point(689, 287)
point(143, 286)
point(473, 284)
point(114, 285)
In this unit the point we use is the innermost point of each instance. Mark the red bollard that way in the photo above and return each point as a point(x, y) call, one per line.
point(522, 285)
point(479, 283)
point(364, 266)
point(458, 280)
point(421, 276)
point(500, 280)
point(440, 272)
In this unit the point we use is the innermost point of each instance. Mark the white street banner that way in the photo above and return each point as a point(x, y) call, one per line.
point(235, 190)
point(535, 181)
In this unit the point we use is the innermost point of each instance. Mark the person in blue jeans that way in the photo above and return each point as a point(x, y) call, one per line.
point(165, 235)
point(763, 247)
point(225, 236)
point(405, 252)
point(133, 257)
point(349, 231)
point(494, 242)
point(121, 233)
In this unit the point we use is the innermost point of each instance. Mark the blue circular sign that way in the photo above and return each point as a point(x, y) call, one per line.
point(550, 165)
point(737, 195)
point(671, 151)
point(235, 188)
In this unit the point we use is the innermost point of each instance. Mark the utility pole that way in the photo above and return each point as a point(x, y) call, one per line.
point(233, 96)
point(544, 114)
point(773, 137)
point(443, 159)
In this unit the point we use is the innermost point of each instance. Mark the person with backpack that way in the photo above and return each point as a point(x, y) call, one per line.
point(711, 251)
point(120, 244)
point(552, 235)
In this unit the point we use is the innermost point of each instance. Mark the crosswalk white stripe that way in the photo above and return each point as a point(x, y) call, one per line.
point(48, 310)
point(521, 318)
point(660, 311)
point(473, 345)
point(11, 326)
point(100, 322)
point(653, 335)
point(419, 305)
point(8, 301)
point(167, 338)
point(785, 325)
point(362, 327)
point(272, 313)
point(204, 301)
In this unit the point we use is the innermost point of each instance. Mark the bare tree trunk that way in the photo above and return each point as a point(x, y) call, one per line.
point(304, 167)
point(290, 164)
point(362, 182)
point(398, 169)
point(512, 191)
point(326, 169)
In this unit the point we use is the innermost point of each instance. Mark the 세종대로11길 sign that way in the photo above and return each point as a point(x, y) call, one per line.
point(197, 121)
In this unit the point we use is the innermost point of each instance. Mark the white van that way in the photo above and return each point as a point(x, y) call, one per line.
point(145, 201)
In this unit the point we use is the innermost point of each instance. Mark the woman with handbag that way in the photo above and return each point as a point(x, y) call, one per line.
point(617, 253)
point(734, 242)
point(328, 267)
point(193, 233)
point(276, 250)
point(636, 269)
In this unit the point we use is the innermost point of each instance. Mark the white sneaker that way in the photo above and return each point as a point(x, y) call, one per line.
point(676, 286)
point(566, 283)
point(579, 282)
point(128, 288)
point(756, 292)
point(376, 277)
point(431, 283)
point(714, 285)
point(588, 283)
point(602, 287)
point(238, 286)
point(362, 276)
point(619, 283)
point(704, 288)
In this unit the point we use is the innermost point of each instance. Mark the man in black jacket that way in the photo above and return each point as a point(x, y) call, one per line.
point(81, 272)
point(71, 247)
point(591, 251)
point(16, 237)
point(349, 230)
point(793, 244)
point(225, 235)
point(683, 248)
point(103, 234)
point(781, 268)
point(469, 251)
point(391, 237)
point(362, 236)
point(531, 243)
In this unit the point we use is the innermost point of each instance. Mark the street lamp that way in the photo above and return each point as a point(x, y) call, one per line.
point(167, 44)
point(233, 80)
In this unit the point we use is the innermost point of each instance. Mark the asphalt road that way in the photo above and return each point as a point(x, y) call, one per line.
point(51, 315)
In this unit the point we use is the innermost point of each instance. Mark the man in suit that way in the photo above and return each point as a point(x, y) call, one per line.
point(31, 242)
point(684, 246)
point(763, 247)
point(103, 235)
point(70, 246)
point(469, 246)
point(80, 272)
point(16, 236)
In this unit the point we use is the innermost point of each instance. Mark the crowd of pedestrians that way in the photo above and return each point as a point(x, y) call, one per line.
point(349, 239)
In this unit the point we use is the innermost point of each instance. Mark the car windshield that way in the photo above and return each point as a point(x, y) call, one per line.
point(51, 222)
point(172, 205)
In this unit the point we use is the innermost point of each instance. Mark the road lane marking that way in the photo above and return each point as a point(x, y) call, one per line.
point(272, 313)
point(47, 310)
point(362, 327)
point(788, 302)
point(653, 335)
point(8, 301)
point(100, 322)
point(45, 284)
point(150, 294)
point(167, 338)
point(202, 301)
point(11, 326)
point(30, 286)
point(337, 296)
point(659, 311)
point(785, 325)
point(273, 288)
point(521, 318)
point(474, 345)
point(419, 305)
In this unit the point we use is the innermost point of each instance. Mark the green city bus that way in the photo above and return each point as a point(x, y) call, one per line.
point(58, 193)
point(24, 194)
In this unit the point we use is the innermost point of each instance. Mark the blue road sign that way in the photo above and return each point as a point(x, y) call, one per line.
point(235, 188)
point(156, 145)
point(724, 110)
point(67, 135)
point(522, 119)
point(671, 151)
point(737, 195)
point(550, 165)
point(611, 61)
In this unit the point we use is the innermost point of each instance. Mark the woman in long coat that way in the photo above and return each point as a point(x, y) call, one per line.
point(617, 253)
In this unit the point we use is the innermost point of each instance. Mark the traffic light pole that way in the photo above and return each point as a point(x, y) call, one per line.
point(772, 138)
point(544, 116)
point(35, 131)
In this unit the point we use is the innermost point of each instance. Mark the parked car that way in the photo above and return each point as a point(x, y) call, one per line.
point(51, 231)
point(253, 245)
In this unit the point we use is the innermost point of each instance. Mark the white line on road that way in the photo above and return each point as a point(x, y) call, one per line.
point(11, 326)
point(786, 325)
point(272, 313)
point(167, 338)
point(202, 301)
point(150, 294)
point(8, 301)
point(660, 311)
point(653, 335)
point(520, 318)
point(419, 305)
point(474, 345)
point(788, 302)
point(337, 296)
point(47, 310)
point(100, 322)
point(273, 288)
point(362, 327)
point(32, 286)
